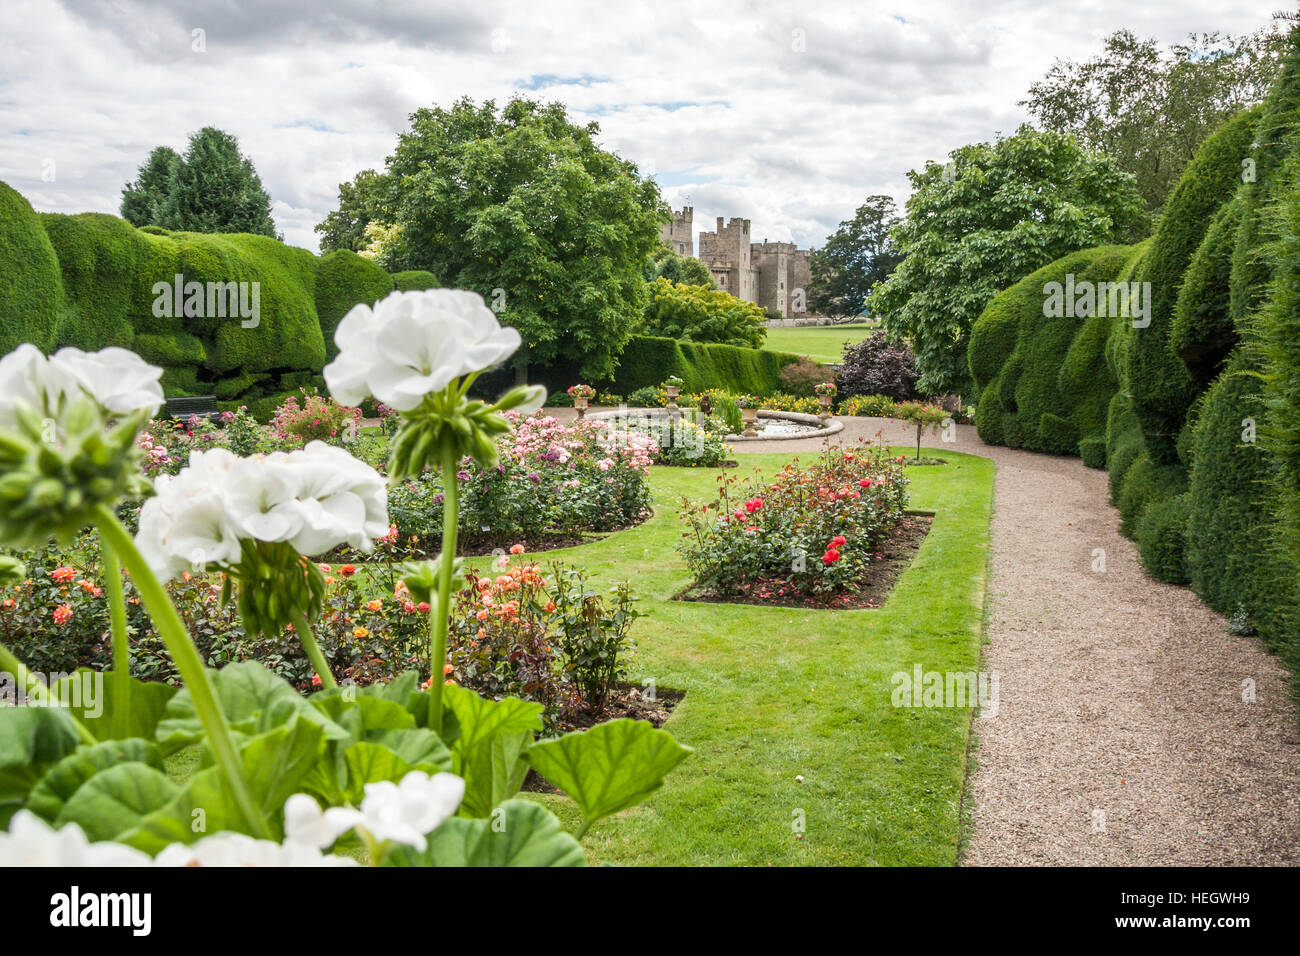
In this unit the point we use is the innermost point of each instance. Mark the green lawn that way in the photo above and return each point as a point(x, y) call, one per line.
point(824, 343)
point(772, 694)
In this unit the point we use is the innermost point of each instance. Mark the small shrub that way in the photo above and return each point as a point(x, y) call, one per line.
point(870, 406)
point(802, 377)
point(876, 366)
point(314, 418)
point(816, 528)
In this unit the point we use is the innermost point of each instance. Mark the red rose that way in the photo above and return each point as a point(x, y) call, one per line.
point(838, 541)
point(830, 557)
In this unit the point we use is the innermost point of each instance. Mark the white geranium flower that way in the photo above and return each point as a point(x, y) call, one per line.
point(405, 812)
point(22, 382)
point(414, 343)
point(188, 524)
point(33, 842)
point(306, 823)
point(262, 494)
point(237, 849)
point(118, 379)
point(315, 499)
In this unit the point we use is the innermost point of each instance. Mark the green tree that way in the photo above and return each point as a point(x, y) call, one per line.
point(214, 188)
point(667, 264)
point(1150, 109)
point(856, 256)
point(523, 206)
point(700, 313)
point(142, 200)
point(990, 216)
point(359, 205)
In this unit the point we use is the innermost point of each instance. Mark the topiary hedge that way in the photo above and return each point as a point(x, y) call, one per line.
point(649, 360)
point(1044, 382)
point(1160, 383)
point(343, 280)
point(93, 280)
point(415, 280)
point(1202, 333)
point(29, 277)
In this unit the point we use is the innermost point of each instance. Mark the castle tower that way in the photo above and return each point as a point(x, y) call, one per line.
point(680, 234)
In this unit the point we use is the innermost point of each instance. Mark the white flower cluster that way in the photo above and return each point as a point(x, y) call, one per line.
point(402, 813)
point(315, 499)
point(398, 812)
point(118, 379)
point(414, 343)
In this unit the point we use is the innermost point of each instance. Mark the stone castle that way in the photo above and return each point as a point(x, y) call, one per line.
point(773, 275)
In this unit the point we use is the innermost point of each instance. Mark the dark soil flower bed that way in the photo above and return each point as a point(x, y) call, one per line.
point(893, 558)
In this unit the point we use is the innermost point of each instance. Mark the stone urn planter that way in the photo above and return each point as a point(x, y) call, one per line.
point(581, 405)
point(672, 391)
point(750, 417)
point(825, 402)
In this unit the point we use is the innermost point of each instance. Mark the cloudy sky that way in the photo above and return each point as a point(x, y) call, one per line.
point(786, 114)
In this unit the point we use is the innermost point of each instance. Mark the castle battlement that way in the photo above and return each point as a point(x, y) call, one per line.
point(774, 275)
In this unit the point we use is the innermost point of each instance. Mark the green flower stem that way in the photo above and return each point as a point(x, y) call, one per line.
point(121, 650)
point(308, 638)
point(441, 611)
point(36, 690)
point(186, 657)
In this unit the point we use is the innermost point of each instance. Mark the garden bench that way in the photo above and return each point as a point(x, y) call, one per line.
point(186, 406)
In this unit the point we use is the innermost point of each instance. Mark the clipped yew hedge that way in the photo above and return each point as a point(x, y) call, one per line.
point(88, 280)
point(649, 360)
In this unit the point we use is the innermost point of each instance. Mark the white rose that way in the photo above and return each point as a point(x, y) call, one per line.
point(414, 343)
point(118, 379)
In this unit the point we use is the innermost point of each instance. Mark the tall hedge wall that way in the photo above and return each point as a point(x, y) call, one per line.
point(648, 360)
point(1202, 428)
point(88, 280)
point(1160, 382)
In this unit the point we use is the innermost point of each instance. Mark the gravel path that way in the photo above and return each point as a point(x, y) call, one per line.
point(1121, 735)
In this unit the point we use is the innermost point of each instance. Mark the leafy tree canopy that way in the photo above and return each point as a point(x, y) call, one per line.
point(345, 227)
point(523, 207)
point(857, 256)
point(142, 200)
point(667, 264)
point(212, 188)
point(990, 216)
point(700, 313)
point(1150, 109)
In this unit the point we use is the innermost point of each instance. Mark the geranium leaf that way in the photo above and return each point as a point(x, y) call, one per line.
point(32, 739)
point(480, 720)
point(92, 697)
point(66, 777)
point(610, 767)
point(254, 701)
point(275, 764)
point(519, 833)
point(117, 799)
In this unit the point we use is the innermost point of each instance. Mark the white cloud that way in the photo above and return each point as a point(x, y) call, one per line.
point(787, 115)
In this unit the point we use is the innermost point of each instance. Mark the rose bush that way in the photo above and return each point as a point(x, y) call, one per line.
point(816, 529)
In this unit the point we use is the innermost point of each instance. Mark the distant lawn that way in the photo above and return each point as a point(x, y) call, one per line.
point(824, 343)
point(773, 694)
